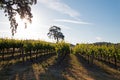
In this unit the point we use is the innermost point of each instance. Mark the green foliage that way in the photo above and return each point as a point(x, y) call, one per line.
point(28, 45)
point(13, 7)
point(25, 49)
point(34, 47)
point(104, 52)
point(55, 32)
point(62, 48)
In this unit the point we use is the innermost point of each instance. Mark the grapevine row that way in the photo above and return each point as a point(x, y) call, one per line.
point(108, 53)
point(12, 49)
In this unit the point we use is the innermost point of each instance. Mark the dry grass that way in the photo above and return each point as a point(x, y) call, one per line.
point(72, 68)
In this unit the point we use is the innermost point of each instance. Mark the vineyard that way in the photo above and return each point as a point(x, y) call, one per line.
point(29, 49)
point(40, 60)
point(107, 53)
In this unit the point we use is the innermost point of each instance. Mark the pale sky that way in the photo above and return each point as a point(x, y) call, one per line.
point(81, 21)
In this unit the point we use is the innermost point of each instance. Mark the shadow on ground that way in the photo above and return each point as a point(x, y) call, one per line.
point(56, 71)
point(21, 71)
point(94, 70)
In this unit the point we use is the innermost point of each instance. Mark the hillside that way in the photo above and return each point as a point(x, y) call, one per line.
point(73, 67)
point(40, 60)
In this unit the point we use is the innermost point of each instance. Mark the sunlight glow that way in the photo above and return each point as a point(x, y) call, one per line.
point(35, 30)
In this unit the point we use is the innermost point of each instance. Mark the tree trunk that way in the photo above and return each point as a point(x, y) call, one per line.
point(22, 51)
point(30, 55)
point(36, 54)
point(57, 40)
point(101, 56)
point(3, 54)
point(92, 57)
point(115, 61)
point(88, 58)
point(13, 53)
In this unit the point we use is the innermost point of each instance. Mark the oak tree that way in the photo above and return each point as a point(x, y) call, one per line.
point(55, 32)
point(13, 7)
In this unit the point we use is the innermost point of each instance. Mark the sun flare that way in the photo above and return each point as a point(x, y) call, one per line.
point(33, 29)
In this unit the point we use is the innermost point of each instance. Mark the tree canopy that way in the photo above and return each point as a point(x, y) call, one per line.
point(55, 32)
point(13, 7)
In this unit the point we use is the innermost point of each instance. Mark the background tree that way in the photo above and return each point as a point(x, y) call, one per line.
point(55, 32)
point(20, 7)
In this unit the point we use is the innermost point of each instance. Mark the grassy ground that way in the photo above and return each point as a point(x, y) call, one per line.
point(74, 67)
